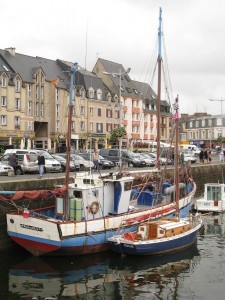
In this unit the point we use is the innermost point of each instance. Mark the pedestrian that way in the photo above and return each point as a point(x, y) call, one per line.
point(41, 164)
point(95, 158)
point(221, 156)
point(182, 158)
point(13, 162)
point(201, 156)
point(206, 158)
point(209, 155)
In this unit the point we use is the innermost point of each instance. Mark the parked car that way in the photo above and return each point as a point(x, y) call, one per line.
point(5, 168)
point(150, 161)
point(62, 161)
point(27, 162)
point(103, 163)
point(51, 164)
point(77, 159)
point(126, 156)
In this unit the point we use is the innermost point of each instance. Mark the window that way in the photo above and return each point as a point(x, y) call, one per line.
point(57, 110)
point(42, 79)
point(91, 93)
point(42, 109)
point(18, 85)
point(91, 126)
point(136, 92)
point(82, 126)
point(29, 108)
point(82, 93)
point(57, 95)
point(37, 109)
point(3, 81)
point(73, 126)
point(99, 112)
point(17, 122)
point(30, 125)
point(109, 97)
point(17, 104)
point(109, 113)
point(196, 123)
point(82, 110)
point(210, 122)
point(37, 92)
point(99, 127)
point(203, 122)
point(58, 126)
point(108, 127)
point(3, 120)
point(73, 111)
point(29, 90)
point(128, 89)
point(91, 111)
point(3, 101)
point(42, 93)
point(99, 94)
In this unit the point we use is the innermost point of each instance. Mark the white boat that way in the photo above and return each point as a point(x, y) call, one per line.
point(213, 199)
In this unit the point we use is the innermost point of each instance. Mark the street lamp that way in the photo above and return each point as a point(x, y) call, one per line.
point(120, 74)
point(221, 112)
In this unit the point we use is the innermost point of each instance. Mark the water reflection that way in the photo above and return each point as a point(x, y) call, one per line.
point(96, 275)
point(108, 276)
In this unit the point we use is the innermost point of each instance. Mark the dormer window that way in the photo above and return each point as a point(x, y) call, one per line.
point(82, 93)
point(109, 97)
point(99, 94)
point(3, 81)
point(18, 85)
point(128, 89)
point(91, 93)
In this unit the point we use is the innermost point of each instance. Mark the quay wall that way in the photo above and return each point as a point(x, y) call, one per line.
point(201, 174)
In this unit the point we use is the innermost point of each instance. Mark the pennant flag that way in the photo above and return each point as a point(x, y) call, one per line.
point(55, 81)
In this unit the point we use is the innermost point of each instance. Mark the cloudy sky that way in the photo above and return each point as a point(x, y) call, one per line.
point(125, 31)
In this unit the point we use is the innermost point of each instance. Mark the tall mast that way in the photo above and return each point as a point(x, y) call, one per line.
point(176, 155)
point(70, 109)
point(159, 62)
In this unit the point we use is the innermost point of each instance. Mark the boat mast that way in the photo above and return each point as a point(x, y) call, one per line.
point(70, 109)
point(159, 62)
point(176, 155)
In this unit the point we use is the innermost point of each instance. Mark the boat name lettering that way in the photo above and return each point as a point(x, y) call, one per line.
point(31, 227)
point(206, 203)
point(128, 246)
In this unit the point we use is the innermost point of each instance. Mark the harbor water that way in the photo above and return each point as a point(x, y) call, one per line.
point(196, 273)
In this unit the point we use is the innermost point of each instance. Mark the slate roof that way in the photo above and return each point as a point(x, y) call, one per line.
point(126, 82)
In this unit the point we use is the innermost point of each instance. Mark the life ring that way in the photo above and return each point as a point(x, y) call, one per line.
point(128, 236)
point(94, 207)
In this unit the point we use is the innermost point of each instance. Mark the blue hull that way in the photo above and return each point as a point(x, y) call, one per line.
point(156, 247)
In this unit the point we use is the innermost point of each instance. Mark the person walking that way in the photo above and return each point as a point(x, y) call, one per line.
point(95, 157)
point(201, 156)
point(41, 164)
point(13, 162)
point(221, 156)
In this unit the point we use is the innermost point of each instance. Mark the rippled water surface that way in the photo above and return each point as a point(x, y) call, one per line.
point(197, 273)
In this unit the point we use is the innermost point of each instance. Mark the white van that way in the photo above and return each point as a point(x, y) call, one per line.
point(188, 147)
point(51, 164)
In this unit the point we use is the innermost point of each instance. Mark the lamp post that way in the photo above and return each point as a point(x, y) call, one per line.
point(120, 74)
point(221, 113)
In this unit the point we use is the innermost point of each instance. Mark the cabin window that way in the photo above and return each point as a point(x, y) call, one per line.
point(214, 193)
point(77, 194)
point(127, 186)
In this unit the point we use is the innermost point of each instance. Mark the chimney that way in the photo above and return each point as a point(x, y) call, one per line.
point(11, 51)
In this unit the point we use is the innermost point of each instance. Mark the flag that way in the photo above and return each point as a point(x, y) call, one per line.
point(176, 108)
point(55, 81)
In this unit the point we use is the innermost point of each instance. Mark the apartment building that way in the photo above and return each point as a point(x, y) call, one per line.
point(34, 95)
point(201, 129)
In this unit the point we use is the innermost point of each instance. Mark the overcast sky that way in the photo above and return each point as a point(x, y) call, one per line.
point(124, 31)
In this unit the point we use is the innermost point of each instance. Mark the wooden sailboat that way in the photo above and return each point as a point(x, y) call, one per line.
point(163, 235)
point(86, 213)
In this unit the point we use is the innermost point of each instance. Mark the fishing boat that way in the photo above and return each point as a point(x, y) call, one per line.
point(166, 234)
point(213, 199)
point(85, 213)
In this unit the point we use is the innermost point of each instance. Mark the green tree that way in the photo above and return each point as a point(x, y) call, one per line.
point(117, 133)
point(220, 140)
